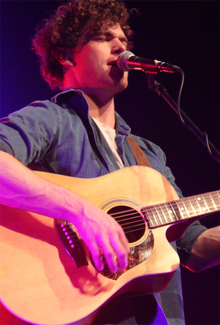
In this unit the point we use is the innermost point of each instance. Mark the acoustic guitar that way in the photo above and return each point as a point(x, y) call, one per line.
point(47, 275)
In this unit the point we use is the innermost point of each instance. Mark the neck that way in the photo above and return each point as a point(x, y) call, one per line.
point(103, 111)
point(101, 102)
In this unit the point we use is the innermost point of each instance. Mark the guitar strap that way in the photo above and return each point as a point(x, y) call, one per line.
point(140, 157)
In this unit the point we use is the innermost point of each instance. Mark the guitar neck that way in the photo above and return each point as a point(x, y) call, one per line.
point(182, 209)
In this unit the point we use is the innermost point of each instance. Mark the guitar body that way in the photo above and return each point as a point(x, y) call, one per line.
point(40, 282)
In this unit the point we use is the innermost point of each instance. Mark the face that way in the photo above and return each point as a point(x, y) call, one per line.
point(95, 66)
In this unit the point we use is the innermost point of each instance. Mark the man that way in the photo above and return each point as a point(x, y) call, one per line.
point(71, 135)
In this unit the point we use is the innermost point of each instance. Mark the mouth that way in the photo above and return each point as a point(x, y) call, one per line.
point(113, 63)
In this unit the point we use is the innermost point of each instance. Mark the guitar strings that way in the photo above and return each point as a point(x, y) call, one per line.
point(163, 207)
point(130, 214)
point(168, 205)
point(130, 228)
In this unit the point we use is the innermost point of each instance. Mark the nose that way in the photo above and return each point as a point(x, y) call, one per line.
point(118, 46)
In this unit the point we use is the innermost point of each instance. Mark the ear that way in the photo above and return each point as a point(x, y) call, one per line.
point(66, 62)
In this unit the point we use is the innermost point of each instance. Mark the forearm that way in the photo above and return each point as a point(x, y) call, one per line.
point(23, 189)
point(206, 251)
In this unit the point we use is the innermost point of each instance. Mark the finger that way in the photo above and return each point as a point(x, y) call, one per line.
point(121, 246)
point(122, 237)
point(96, 256)
point(118, 249)
point(109, 253)
point(124, 241)
point(121, 251)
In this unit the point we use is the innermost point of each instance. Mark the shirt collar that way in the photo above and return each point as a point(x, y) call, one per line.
point(74, 98)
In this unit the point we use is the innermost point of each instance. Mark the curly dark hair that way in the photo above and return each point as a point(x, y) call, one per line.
point(56, 36)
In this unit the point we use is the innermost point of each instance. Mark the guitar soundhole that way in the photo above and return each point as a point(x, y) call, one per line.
point(130, 220)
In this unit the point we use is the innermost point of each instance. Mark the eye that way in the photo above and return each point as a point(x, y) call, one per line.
point(100, 38)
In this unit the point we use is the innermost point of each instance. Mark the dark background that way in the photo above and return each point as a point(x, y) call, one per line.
point(185, 33)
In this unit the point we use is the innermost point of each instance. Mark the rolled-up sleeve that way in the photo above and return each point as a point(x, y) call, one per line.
point(28, 133)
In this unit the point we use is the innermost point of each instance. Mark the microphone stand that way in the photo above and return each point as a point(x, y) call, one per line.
point(203, 137)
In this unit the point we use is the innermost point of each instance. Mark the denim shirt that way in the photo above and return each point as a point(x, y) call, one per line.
point(67, 141)
point(59, 136)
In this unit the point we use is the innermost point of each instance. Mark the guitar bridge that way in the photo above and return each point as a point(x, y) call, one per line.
point(72, 243)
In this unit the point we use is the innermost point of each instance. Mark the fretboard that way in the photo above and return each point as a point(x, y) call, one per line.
point(182, 209)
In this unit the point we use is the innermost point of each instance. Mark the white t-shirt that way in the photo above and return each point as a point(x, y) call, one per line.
point(109, 135)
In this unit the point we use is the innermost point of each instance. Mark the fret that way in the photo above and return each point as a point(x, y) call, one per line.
point(203, 208)
point(196, 202)
point(184, 213)
point(213, 202)
point(218, 196)
point(168, 213)
point(174, 210)
point(152, 221)
point(159, 216)
point(218, 193)
point(190, 202)
point(163, 213)
point(207, 207)
point(215, 199)
point(187, 210)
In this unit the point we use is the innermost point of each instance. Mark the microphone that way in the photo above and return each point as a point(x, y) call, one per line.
point(127, 61)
